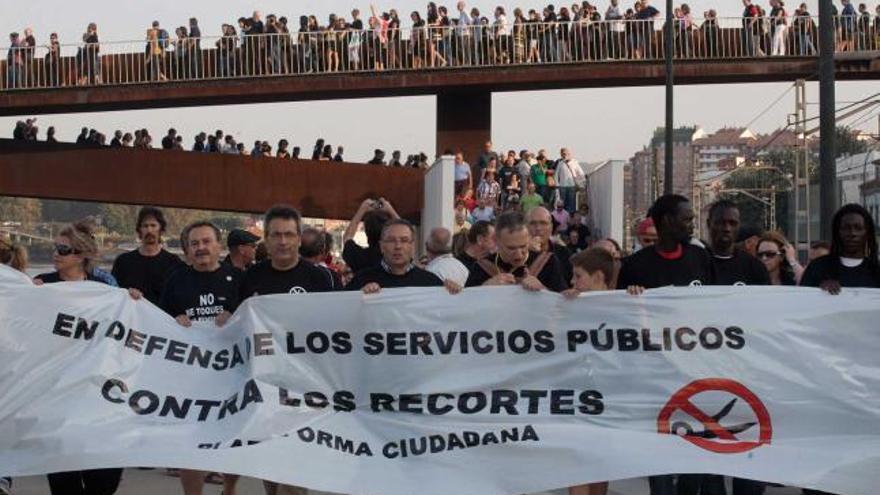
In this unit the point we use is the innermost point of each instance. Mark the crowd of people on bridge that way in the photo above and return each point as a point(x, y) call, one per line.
point(216, 142)
point(460, 36)
point(535, 250)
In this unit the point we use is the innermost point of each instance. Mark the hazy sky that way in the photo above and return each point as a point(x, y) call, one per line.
point(595, 123)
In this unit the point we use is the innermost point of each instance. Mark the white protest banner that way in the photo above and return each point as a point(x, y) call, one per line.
point(495, 390)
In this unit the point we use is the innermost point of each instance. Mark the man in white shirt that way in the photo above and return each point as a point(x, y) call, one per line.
point(569, 177)
point(440, 259)
point(463, 176)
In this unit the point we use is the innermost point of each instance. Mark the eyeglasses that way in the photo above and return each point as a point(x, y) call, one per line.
point(768, 254)
point(65, 250)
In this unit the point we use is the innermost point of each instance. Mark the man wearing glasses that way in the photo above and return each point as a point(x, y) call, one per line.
point(285, 272)
point(397, 269)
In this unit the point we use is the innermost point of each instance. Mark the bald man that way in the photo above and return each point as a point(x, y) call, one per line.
point(440, 259)
point(540, 225)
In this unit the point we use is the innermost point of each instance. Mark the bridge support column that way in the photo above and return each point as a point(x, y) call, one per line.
point(464, 122)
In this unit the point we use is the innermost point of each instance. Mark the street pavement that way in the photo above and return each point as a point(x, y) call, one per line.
point(156, 482)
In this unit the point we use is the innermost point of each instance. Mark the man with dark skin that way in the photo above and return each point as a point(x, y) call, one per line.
point(673, 260)
point(733, 266)
point(852, 261)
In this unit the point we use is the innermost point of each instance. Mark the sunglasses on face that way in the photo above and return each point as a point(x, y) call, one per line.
point(64, 250)
point(768, 254)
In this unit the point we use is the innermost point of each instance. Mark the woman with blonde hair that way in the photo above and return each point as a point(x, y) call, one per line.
point(74, 255)
point(73, 258)
point(13, 254)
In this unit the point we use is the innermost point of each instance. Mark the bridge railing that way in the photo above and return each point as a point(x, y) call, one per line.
point(418, 48)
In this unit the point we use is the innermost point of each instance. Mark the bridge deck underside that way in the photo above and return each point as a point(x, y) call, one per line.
point(204, 181)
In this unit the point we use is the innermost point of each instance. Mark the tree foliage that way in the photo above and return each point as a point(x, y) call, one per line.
point(28, 211)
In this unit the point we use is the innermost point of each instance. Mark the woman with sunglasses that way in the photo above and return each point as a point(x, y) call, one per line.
point(75, 250)
point(779, 258)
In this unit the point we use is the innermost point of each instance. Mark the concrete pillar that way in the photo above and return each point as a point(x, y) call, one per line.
point(439, 206)
point(464, 122)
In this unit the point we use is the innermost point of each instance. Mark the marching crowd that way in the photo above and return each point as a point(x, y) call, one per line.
point(524, 249)
point(440, 37)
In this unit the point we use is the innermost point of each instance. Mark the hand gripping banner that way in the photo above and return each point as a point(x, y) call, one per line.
point(495, 390)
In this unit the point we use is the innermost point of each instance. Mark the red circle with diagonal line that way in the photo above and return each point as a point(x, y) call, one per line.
point(726, 442)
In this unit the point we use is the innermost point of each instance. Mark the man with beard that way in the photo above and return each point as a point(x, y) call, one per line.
point(540, 224)
point(515, 262)
point(733, 266)
point(146, 268)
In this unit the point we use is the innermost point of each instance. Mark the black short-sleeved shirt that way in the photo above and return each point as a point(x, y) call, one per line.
point(416, 277)
point(650, 270)
point(148, 274)
point(505, 176)
point(830, 268)
point(358, 257)
point(201, 295)
point(54, 278)
point(467, 260)
point(740, 269)
point(305, 277)
point(551, 275)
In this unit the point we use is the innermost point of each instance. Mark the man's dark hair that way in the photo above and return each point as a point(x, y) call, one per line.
point(312, 243)
point(870, 236)
point(286, 212)
point(398, 221)
point(477, 230)
point(373, 223)
point(184, 236)
point(666, 205)
point(719, 206)
point(595, 259)
point(147, 212)
point(511, 221)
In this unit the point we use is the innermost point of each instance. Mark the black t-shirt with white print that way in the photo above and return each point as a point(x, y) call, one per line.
point(831, 268)
point(201, 295)
point(305, 277)
point(648, 269)
point(739, 269)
